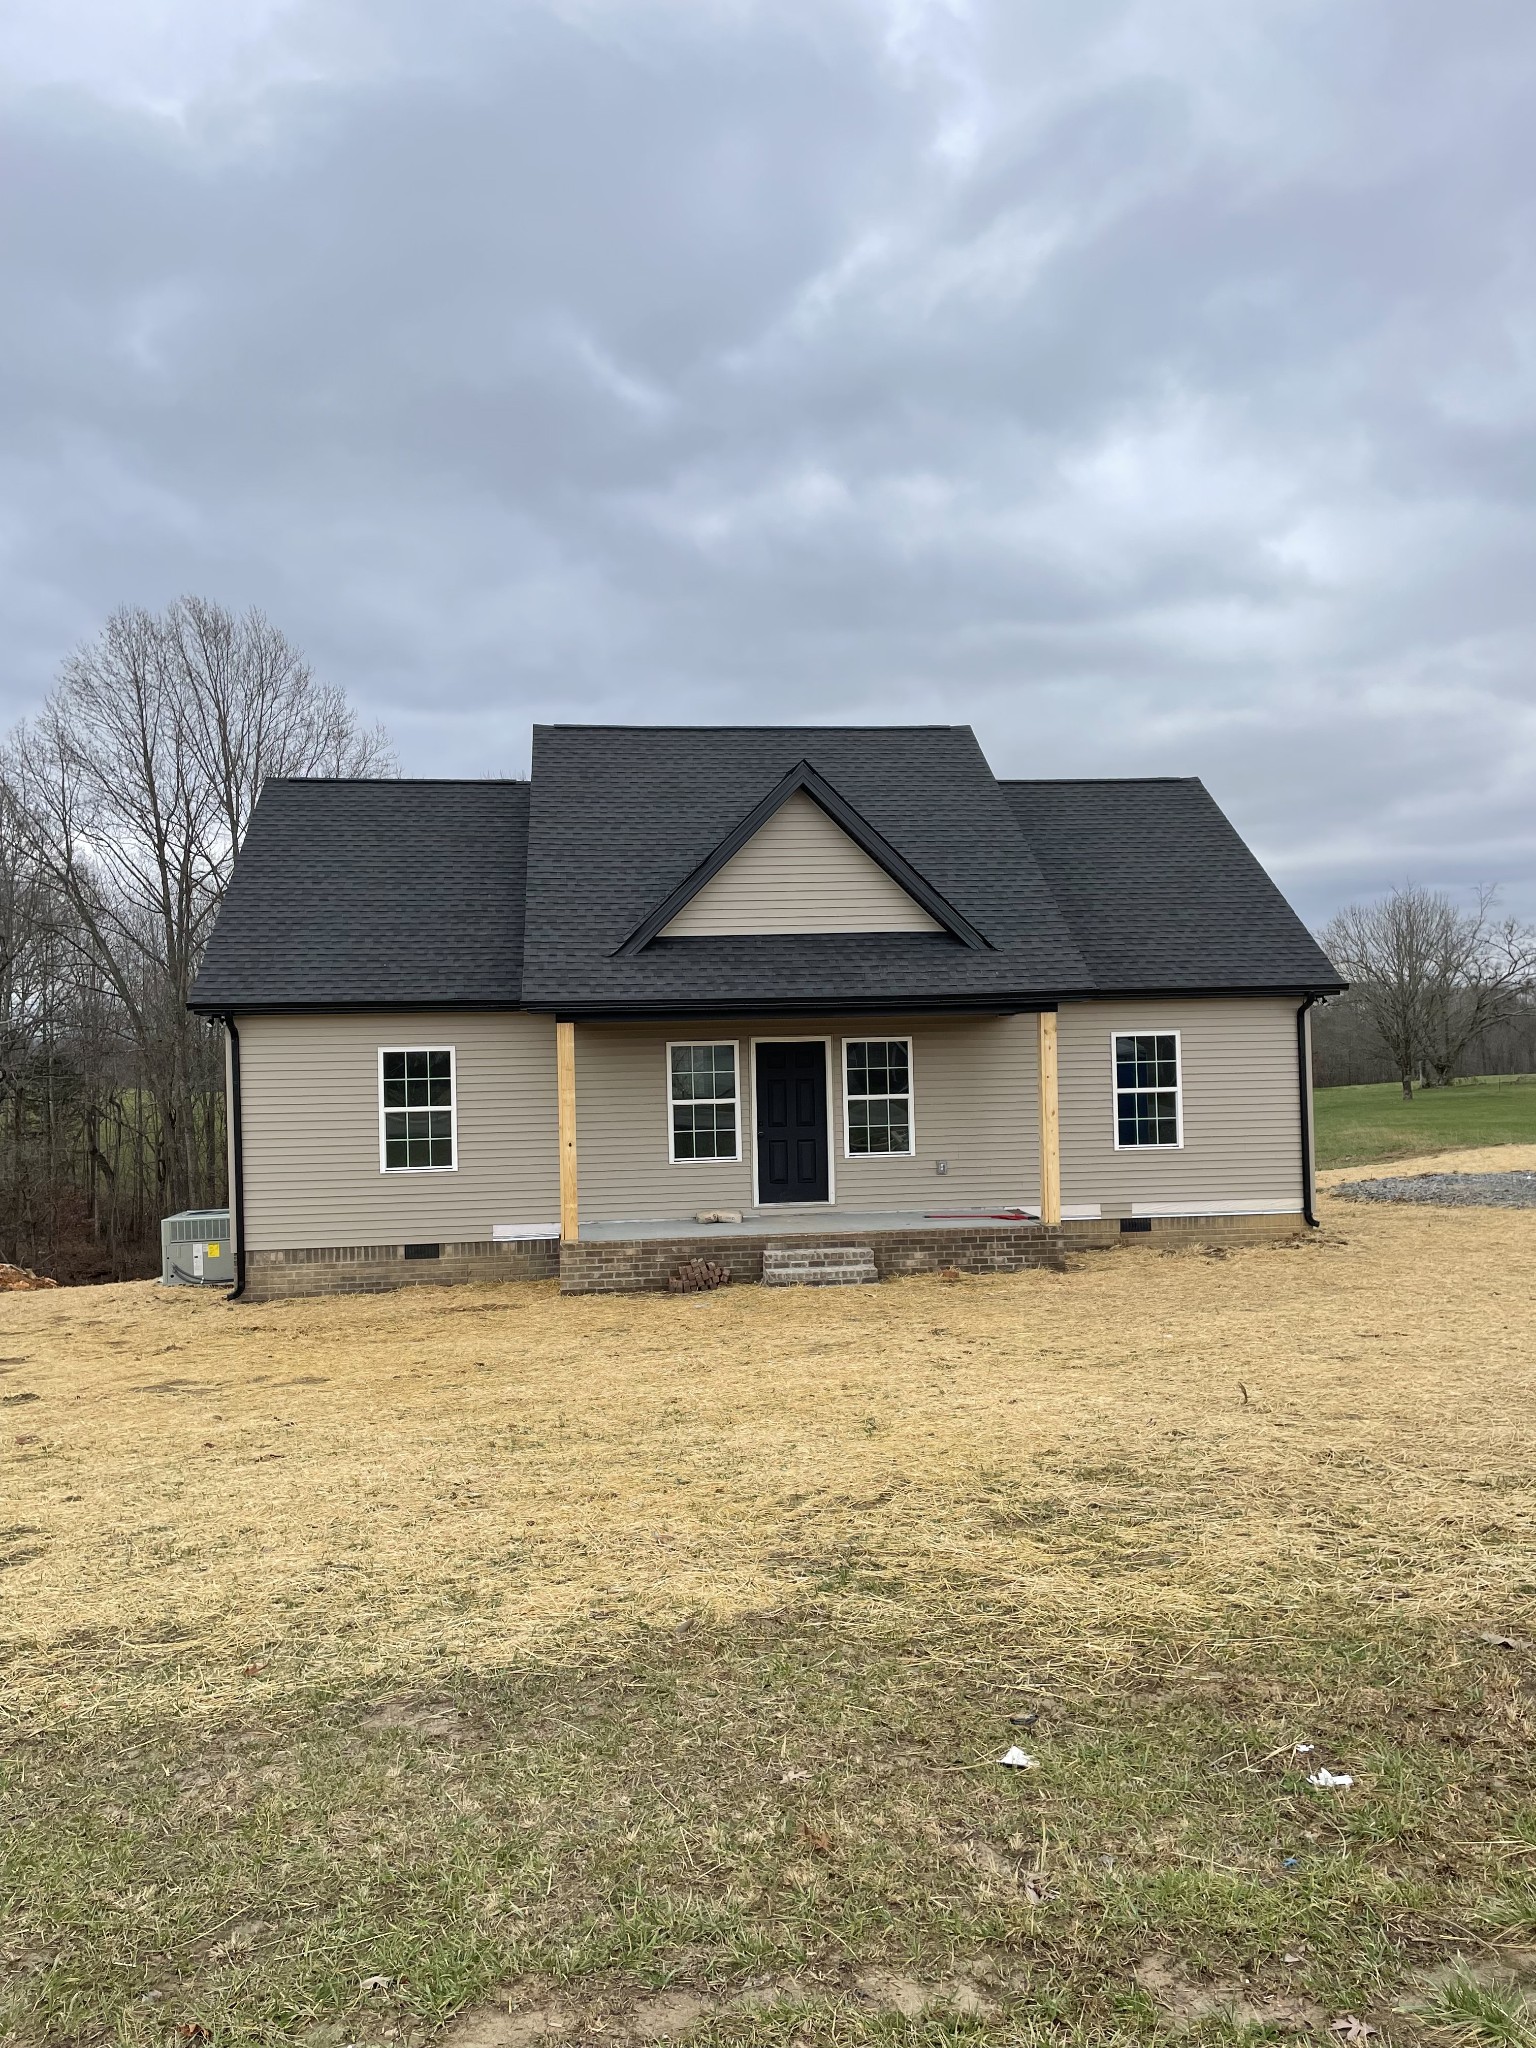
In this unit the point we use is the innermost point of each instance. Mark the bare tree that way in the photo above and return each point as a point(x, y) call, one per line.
point(1431, 977)
point(131, 793)
point(1483, 974)
point(253, 709)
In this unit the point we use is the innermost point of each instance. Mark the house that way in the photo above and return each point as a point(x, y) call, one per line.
point(836, 987)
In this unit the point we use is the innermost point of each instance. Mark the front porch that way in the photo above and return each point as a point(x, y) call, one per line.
point(638, 1258)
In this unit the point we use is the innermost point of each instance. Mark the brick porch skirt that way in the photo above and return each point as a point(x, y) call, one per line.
point(639, 1265)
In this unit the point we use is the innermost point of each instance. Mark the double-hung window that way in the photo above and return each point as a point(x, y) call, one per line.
point(701, 1102)
point(1147, 1085)
point(417, 1131)
point(877, 1095)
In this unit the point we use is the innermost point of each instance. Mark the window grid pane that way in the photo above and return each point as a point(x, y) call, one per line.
point(703, 1101)
point(418, 1109)
point(1146, 1084)
point(878, 1077)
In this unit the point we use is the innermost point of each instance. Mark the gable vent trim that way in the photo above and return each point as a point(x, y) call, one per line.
point(804, 777)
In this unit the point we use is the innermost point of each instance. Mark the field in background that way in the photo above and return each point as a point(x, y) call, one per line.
point(469, 1665)
point(1356, 1126)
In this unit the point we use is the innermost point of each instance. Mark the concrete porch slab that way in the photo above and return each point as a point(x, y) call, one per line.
point(820, 1221)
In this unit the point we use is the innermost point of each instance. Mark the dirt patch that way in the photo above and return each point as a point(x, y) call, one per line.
point(1509, 1972)
point(494, 2026)
point(1187, 2002)
point(426, 1720)
point(668, 2015)
point(893, 1991)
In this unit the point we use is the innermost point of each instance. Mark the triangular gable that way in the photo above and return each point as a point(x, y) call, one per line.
point(799, 873)
point(802, 861)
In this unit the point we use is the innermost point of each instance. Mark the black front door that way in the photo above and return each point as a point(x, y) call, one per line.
point(792, 1123)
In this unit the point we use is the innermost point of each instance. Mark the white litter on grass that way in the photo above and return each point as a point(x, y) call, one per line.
point(1016, 1760)
point(1331, 1781)
point(1303, 1749)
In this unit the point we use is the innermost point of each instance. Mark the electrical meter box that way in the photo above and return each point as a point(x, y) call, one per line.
point(195, 1250)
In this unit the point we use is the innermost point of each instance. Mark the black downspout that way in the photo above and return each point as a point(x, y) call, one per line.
point(237, 1137)
point(1304, 1090)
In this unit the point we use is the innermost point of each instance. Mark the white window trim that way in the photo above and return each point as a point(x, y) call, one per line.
point(453, 1107)
point(795, 1038)
point(882, 1038)
point(1115, 1091)
point(717, 1158)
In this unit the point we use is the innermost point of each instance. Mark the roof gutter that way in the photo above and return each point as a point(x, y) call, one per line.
point(237, 1148)
point(1304, 1099)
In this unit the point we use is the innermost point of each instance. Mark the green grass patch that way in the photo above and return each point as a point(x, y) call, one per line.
point(1359, 1126)
point(784, 1804)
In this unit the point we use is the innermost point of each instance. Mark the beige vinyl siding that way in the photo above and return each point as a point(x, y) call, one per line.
point(310, 1104)
point(1241, 1110)
point(974, 1104)
point(799, 873)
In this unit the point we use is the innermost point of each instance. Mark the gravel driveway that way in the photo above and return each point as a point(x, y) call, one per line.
point(1448, 1190)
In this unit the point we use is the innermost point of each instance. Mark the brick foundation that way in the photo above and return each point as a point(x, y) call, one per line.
point(375, 1268)
point(644, 1265)
point(640, 1265)
point(1167, 1231)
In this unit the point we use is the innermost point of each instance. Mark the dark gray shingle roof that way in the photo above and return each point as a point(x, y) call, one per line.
point(622, 814)
point(491, 895)
point(1159, 890)
point(374, 892)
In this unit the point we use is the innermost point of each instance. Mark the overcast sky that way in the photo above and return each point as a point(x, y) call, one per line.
point(1149, 383)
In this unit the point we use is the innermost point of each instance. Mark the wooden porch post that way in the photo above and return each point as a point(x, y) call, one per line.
point(1050, 1122)
point(565, 1085)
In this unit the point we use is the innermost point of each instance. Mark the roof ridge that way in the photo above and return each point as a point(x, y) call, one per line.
point(400, 781)
point(717, 727)
point(1084, 781)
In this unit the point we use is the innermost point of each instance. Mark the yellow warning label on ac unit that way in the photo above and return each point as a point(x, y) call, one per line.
point(213, 1251)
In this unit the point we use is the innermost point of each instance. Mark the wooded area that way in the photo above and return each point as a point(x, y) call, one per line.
point(121, 806)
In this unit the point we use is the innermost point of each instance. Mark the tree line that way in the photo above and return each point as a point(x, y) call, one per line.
point(121, 806)
point(1437, 990)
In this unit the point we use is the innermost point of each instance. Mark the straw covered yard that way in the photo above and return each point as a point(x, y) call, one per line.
point(512, 1664)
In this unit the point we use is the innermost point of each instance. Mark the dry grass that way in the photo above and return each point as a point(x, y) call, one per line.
point(378, 1484)
point(344, 1688)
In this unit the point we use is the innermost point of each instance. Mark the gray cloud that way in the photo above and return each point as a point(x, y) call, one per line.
point(1151, 385)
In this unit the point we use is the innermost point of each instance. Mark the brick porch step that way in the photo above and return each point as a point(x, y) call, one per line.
point(819, 1265)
